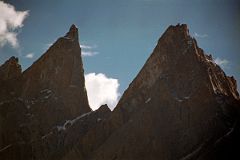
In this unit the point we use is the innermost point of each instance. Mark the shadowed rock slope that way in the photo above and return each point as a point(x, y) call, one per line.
point(43, 101)
point(181, 106)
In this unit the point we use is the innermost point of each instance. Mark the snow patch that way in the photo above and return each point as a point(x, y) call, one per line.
point(46, 135)
point(72, 86)
point(179, 100)
point(46, 97)
point(210, 61)
point(190, 42)
point(46, 91)
point(148, 100)
point(66, 38)
point(71, 122)
point(4, 148)
point(79, 117)
point(182, 99)
point(32, 102)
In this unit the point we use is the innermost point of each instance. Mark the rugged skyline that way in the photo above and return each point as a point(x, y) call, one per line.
point(179, 99)
point(115, 34)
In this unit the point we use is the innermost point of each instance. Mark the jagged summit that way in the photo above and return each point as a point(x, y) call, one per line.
point(60, 69)
point(178, 29)
point(46, 95)
point(10, 69)
point(181, 105)
point(178, 59)
point(180, 99)
point(104, 108)
point(13, 59)
point(72, 33)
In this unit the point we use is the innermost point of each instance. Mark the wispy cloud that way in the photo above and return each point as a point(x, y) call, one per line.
point(10, 21)
point(87, 46)
point(197, 35)
point(224, 63)
point(29, 55)
point(102, 90)
point(87, 50)
point(89, 53)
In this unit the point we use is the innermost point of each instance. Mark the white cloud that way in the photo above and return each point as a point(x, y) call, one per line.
point(10, 21)
point(101, 90)
point(200, 35)
point(86, 46)
point(89, 53)
point(29, 55)
point(87, 50)
point(224, 63)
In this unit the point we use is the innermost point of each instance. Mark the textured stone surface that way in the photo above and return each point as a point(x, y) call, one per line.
point(177, 107)
point(10, 74)
point(59, 70)
point(181, 105)
point(10, 69)
point(51, 91)
point(54, 86)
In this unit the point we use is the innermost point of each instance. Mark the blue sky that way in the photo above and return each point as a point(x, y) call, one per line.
point(123, 33)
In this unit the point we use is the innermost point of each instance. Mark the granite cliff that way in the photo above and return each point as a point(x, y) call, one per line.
point(181, 105)
point(42, 101)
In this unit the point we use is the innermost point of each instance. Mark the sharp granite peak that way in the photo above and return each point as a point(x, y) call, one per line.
point(73, 33)
point(10, 69)
point(180, 106)
point(180, 99)
point(34, 103)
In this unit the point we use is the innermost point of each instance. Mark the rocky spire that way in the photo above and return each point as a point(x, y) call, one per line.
point(52, 90)
point(181, 98)
point(72, 33)
point(10, 69)
point(60, 72)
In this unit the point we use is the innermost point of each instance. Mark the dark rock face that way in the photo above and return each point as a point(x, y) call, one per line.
point(10, 73)
point(62, 139)
point(181, 105)
point(44, 96)
point(59, 71)
point(10, 69)
point(54, 86)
